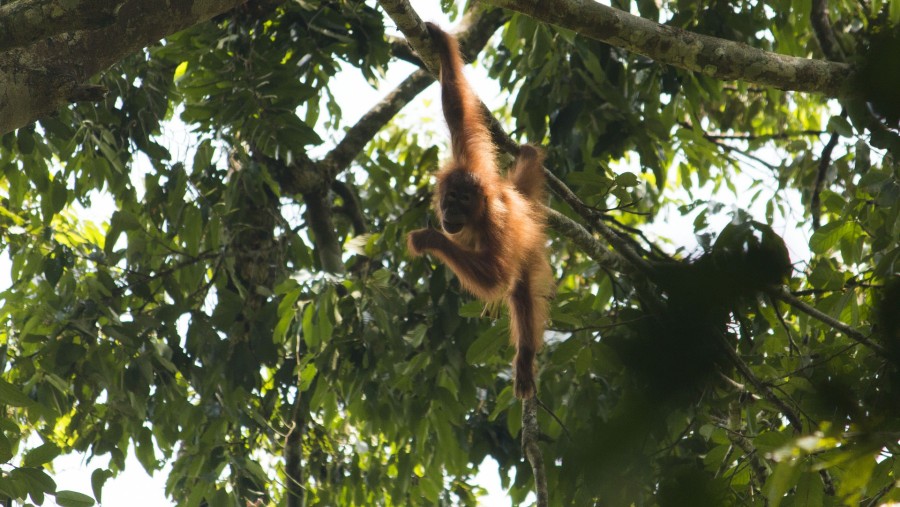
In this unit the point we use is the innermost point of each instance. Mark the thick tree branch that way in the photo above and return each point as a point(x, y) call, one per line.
point(26, 21)
point(585, 241)
point(718, 58)
point(413, 28)
point(39, 79)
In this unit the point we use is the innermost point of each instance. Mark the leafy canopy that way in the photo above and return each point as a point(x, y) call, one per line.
point(245, 295)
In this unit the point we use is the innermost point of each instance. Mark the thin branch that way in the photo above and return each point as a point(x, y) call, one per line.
point(735, 149)
point(758, 385)
point(530, 434)
point(854, 334)
point(745, 136)
point(718, 58)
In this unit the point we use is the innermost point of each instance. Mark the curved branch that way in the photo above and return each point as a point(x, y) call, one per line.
point(718, 58)
point(320, 219)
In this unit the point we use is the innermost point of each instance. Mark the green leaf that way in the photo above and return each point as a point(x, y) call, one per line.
point(309, 334)
point(25, 140)
point(627, 180)
point(42, 454)
point(841, 125)
point(486, 346)
point(67, 498)
point(180, 71)
point(98, 479)
point(53, 269)
point(810, 490)
point(855, 478)
point(307, 376)
point(583, 362)
point(10, 395)
point(415, 337)
point(430, 488)
point(6, 453)
point(35, 481)
point(782, 479)
point(144, 450)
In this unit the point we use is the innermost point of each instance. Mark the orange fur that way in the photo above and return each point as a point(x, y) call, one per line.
point(499, 248)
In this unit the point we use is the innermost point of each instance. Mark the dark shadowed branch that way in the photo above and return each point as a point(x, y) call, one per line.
point(321, 220)
point(854, 334)
point(293, 455)
point(818, 18)
point(815, 204)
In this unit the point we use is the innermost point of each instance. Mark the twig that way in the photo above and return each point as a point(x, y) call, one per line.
point(554, 416)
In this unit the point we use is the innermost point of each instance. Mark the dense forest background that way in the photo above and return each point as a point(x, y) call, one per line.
point(249, 316)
